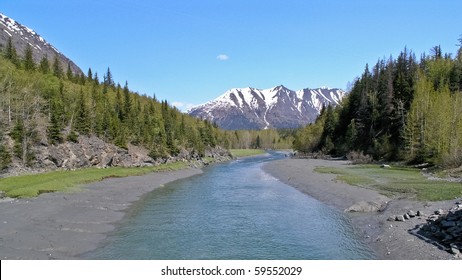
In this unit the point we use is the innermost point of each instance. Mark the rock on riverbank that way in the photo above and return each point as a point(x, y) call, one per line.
point(94, 152)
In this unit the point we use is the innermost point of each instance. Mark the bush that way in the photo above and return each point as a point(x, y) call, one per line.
point(359, 157)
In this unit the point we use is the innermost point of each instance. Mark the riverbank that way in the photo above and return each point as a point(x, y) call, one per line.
point(369, 210)
point(64, 225)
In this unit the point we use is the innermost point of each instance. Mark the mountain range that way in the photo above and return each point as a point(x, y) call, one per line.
point(21, 36)
point(278, 107)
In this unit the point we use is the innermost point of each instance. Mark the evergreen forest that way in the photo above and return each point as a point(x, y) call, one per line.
point(42, 104)
point(403, 109)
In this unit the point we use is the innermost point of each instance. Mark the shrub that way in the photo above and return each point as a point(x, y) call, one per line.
point(358, 157)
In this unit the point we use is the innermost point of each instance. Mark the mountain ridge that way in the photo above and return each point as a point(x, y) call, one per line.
point(276, 107)
point(21, 36)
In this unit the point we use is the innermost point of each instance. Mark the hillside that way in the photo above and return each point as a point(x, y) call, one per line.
point(400, 109)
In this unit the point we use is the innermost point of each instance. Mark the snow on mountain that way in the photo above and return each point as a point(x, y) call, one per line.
point(21, 36)
point(278, 107)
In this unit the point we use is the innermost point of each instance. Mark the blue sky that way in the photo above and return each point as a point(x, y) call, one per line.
point(191, 51)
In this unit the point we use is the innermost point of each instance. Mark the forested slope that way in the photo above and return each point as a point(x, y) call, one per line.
point(42, 105)
point(401, 109)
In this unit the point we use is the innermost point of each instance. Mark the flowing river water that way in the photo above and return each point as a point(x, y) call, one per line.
point(233, 210)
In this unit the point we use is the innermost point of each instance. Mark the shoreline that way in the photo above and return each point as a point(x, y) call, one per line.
point(66, 225)
point(367, 209)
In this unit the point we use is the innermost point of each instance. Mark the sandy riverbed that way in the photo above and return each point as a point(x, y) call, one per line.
point(66, 225)
point(390, 240)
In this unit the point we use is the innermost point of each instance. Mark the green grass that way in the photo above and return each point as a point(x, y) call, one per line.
point(246, 152)
point(396, 181)
point(33, 185)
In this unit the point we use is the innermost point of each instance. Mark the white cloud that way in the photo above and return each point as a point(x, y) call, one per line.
point(183, 106)
point(222, 57)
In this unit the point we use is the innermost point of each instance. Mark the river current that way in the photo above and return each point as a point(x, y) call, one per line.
point(233, 211)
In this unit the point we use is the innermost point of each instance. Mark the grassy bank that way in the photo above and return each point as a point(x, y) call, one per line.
point(33, 185)
point(396, 181)
point(246, 152)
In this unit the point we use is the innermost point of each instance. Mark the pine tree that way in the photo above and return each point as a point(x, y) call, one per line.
point(10, 52)
point(90, 75)
point(127, 103)
point(57, 69)
point(95, 78)
point(55, 126)
point(44, 65)
point(107, 79)
point(82, 124)
point(29, 64)
point(69, 74)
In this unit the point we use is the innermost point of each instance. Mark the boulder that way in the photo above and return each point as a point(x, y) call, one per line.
point(400, 218)
point(411, 213)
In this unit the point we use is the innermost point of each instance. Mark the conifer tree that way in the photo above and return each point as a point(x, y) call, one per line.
point(10, 52)
point(44, 65)
point(107, 79)
point(57, 68)
point(29, 64)
point(69, 74)
point(82, 124)
point(90, 75)
point(55, 126)
point(127, 103)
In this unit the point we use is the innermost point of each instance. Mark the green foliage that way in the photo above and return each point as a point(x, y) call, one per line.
point(29, 64)
point(401, 110)
point(35, 105)
point(5, 157)
point(44, 66)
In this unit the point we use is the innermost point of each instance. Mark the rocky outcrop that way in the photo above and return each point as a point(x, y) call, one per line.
point(89, 152)
point(94, 152)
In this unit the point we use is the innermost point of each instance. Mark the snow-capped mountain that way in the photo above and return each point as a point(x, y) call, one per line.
point(278, 107)
point(21, 36)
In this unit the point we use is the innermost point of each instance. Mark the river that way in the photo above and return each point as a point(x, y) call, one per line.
point(233, 210)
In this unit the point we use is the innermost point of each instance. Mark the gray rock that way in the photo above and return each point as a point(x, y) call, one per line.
point(400, 218)
point(406, 216)
point(391, 218)
point(439, 212)
point(411, 213)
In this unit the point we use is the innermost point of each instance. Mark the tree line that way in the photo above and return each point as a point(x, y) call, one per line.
point(41, 104)
point(402, 109)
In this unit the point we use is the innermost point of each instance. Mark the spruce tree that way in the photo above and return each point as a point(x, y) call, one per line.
point(69, 74)
point(57, 69)
point(54, 128)
point(82, 124)
point(29, 64)
point(90, 75)
point(10, 52)
point(44, 65)
point(107, 79)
